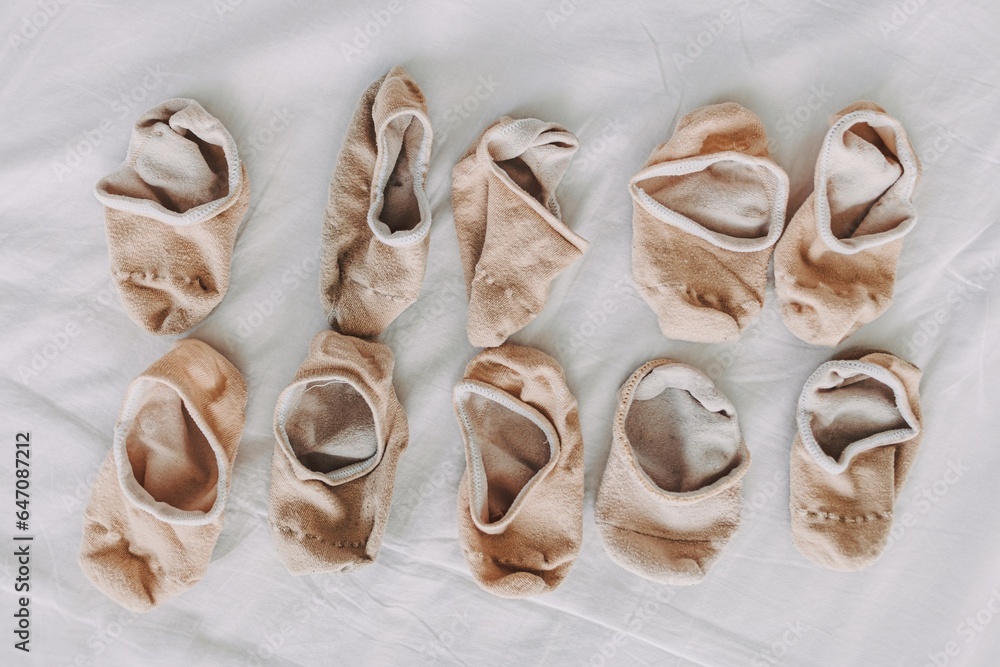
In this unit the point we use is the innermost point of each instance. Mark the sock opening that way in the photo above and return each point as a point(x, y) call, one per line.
point(864, 169)
point(509, 449)
point(170, 456)
point(726, 197)
point(683, 432)
point(853, 409)
point(404, 137)
point(331, 428)
point(523, 176)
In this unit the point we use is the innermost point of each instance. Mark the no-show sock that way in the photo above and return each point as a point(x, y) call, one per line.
point(709, 205)
point(340, 432)
point(156, 508)
point(669, 501)
point(511, 235)
point(859, 427)
point(835, 266)
point(520, 501)
point(375, 233)
point(171, 213)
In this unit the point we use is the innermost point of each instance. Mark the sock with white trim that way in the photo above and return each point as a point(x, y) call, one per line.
point(859, 426)
point(669, 501)
point(340, 432)
point(511, 235)
point(520, 501)
point(835, 267)
point(708, 206)
point(156, 508)
point(375, 233)
point(171, 215)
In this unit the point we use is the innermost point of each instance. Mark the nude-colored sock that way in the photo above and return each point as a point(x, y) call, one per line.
point(171, 214)
point(520, 501)
point(670, 498)
point(708, 206)
point(859, 427)
point(340, 431)
point(835, 267)
point(375, 234)
point(156, 508)
point(511, 235)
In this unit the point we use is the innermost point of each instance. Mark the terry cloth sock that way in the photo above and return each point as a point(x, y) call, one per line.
point(375, 234)
point(859, 426)
point(708, 206)
point(670, 498)
point(155, 511)
point(520, 501)
point(835, 267)
point(511, 236)
point(340, 431)
point(171, 214)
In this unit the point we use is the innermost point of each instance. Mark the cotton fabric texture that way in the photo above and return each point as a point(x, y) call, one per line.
point(340, 432)
point(520, 501)
point(157, 504)
point(378, 217)
point(171, 213)
point(669, 501)
point(835, 266)
point(511, 235)
point(708, 207)
point(859, 428)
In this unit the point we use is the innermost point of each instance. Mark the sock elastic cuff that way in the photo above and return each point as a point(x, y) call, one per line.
point(181, 115)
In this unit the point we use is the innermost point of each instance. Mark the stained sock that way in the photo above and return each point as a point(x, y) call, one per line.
point(156, 508)
point(511, 235)
point(375, 233)
point(709, 206)
point(835, 266)
point(520, 501)
point(171, 214)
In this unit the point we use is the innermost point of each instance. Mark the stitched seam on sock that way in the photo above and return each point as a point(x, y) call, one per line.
point(833, 516)
point(659, 537)
point(375, 291)
point(295, 533)
point(139, 275)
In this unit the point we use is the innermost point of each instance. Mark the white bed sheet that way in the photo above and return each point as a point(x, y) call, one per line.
point(284, 77)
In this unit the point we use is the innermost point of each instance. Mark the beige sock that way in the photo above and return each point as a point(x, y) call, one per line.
point(708, 207)
point(171, 214)
point(835, 267)
point(669, 500)
point(511, 235)
point(375, 234)
point(156, 508)
point(859, 428)
point(340, 431)
point(520, 501)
